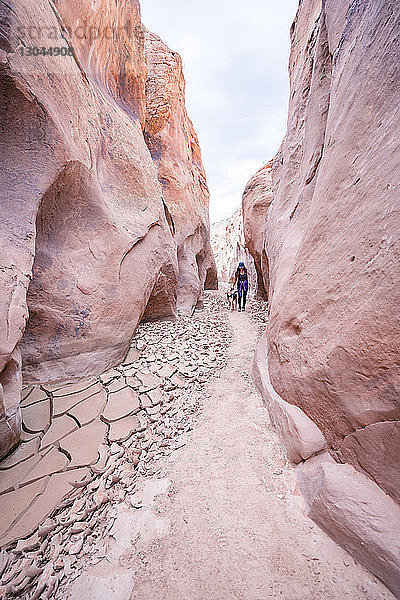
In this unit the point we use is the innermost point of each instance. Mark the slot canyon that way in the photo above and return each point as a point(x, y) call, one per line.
point(160, 437)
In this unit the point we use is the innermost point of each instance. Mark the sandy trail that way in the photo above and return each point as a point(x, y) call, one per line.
point(224, 519)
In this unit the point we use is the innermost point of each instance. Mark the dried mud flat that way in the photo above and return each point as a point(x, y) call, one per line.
point(179, 487)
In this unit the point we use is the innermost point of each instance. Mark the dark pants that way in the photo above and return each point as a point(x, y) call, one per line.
point(242, 297)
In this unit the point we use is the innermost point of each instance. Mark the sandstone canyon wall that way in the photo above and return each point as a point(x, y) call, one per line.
point(229, 248)
point(328, 366)
point(175, 149)
point(89, 244)
point(256, 200)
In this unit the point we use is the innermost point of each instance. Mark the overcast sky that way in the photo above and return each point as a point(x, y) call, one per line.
point(235, 57)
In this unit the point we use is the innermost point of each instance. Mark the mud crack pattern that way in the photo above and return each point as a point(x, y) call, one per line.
point(86, 446)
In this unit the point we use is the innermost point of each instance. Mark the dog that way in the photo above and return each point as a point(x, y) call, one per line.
point(232, 297)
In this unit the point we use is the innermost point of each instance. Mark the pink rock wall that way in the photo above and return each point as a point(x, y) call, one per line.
point(332, 243)
point(88, 245)
point(332, 235)
point(256, 200)
point(175, 150)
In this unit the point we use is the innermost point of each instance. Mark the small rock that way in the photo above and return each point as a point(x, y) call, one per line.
point(115, 448)
point(76, 547)
point(47, 527)
point(28, 544)
point(78, 527)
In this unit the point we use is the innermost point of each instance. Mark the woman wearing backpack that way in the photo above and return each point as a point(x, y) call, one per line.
point(242, 282)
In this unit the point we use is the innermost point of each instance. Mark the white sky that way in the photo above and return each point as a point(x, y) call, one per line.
point(235, 56)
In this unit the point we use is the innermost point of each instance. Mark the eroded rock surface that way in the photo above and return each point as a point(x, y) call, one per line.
point(332, 244)
point(256, 200)
point(354, 511)
point(228, 244)
point(175, 150)
point(89, 247)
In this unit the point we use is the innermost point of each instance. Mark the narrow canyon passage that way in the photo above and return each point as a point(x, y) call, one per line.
point(154, 444)
point(221, 517)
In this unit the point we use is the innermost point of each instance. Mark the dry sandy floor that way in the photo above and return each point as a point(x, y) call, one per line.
point(223, 519)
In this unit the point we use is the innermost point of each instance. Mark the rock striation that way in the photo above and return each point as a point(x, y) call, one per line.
point(89, 245)
point(256, 200)
point(329, 365)
point(229, 248)
point(175, 149)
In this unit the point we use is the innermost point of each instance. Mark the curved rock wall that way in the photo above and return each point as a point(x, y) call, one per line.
point(332, 242)
point(256, 200)
point(88, 242)
point(175, 150)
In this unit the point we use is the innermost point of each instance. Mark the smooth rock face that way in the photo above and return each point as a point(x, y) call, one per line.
point(229, 247)
point(300, 437)
point(376, 444)
point(334, 319)
point(356, 513)
point(256, 200)
point(332, 244)
point(88, 246)
point(10, 391)
point(175, 149)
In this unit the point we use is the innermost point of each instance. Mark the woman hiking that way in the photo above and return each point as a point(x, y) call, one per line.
point(242, 282)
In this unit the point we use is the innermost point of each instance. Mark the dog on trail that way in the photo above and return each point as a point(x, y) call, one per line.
point(232, 297)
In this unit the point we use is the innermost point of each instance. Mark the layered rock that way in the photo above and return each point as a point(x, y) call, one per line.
point(256, 200)
point(332, 243)
point(88, 246)
point(229, 248)
point(175, 150)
